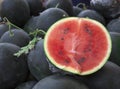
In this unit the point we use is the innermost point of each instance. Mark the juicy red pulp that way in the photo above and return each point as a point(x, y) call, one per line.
point(79, 44)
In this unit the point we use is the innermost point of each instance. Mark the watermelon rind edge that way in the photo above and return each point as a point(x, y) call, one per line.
point(70, 69)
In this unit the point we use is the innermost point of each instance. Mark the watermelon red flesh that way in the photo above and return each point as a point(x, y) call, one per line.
point(78, 44)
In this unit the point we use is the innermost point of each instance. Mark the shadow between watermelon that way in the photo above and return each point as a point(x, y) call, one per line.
point(78, 45)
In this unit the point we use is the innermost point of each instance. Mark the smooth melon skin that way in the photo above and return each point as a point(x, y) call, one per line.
point(65, 5)
point(26, 85)
point(70, 51)
point(35, 7)
point(37, 62)
point(114, 25)
point(3, 28)
point(19, 37)
point(16, 11)
point(108, 77)
point(13, 70)
point(110, 9)
point(76, 10)
point(92, 14)
point(59, 82)
point(115, 54)
point(45, 19)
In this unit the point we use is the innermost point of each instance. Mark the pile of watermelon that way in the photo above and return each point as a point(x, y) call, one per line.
point(59, 44)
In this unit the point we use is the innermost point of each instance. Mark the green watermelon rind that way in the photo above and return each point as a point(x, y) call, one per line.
point(72, 70)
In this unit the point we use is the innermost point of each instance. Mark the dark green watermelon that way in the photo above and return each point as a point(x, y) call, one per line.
point(3, 28)
point(66, 5)
point(76, 10)
point(45, 19)
point(59, 82)
point(37, 62)
point(114, 25)
point(13, 70)
point(92, 14)
point(16, 11)
point(36, 7)
point(108, 8)
point(16, 36)
point(26, 85)
point(115, 56)
point(105, 78)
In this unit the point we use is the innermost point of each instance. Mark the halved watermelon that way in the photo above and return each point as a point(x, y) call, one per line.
point(78, 45)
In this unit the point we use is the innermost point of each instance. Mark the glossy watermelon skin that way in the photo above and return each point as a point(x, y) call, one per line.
point(36, 7)
point(37, 62)
point(17, 11)
point(57, 81)
point(20, 37)
point(13, 70)
point(115, 56)
point(26, 85)
point(45, 19)
point(65, 5)
point(103, 79)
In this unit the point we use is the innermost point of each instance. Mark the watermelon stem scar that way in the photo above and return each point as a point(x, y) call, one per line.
point(78, 45)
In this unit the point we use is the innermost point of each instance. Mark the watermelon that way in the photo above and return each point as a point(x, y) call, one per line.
point(57, 81)
point(78, 45)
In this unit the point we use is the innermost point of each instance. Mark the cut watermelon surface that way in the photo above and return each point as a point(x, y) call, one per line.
point(78, 45)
